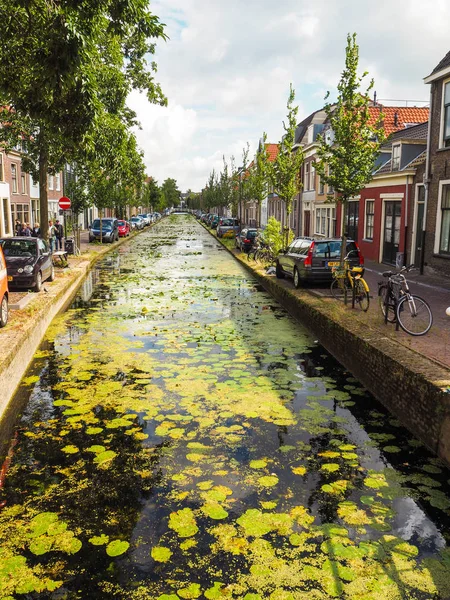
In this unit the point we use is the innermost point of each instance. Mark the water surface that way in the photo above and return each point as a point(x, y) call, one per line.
point(180, 436)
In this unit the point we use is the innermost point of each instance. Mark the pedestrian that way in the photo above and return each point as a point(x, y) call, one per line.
point(25, 230)
point(36, 231)
point(59, 233)
point(17, 227)
point(51, 236)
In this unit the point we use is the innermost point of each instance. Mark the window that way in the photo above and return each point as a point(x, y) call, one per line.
point(23, 183)
point(58, 182)
point(325, 221)
point(446, 113)
point(321, 185)
point(444, 243)
point(396, 157)
point(14, 177)
point(2, 174)
point(21, 212)
point(50, 182)
point(312, 179)
point(330, 186)
point(317, 220)
point(307, 176)
point(370, 212)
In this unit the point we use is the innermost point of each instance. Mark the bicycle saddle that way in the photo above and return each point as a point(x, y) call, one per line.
point(387, 274)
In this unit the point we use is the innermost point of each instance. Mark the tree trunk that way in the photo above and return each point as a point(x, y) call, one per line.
point(43, 189)
point(100, 214)
point(344, 204)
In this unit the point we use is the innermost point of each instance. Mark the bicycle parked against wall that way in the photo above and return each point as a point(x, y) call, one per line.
point(350, 280)
point(412, 313)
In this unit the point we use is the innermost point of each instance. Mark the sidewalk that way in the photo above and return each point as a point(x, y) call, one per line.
point(436, 291)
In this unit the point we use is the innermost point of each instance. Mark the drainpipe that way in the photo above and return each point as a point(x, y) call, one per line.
point(406, 220)
point(426, 183)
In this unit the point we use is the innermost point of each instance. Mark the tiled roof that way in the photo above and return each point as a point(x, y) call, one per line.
point(417, 132)
point(445, 62)
point(395, 117)
point(272, 150)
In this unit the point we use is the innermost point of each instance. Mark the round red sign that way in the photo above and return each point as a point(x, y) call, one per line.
point(64, 203)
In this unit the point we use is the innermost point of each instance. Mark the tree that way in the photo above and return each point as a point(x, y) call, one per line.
point(258, 176)
point(170, 193)
point(57, 63)
point(285, 171)
point(151, 194)
point(347, 157)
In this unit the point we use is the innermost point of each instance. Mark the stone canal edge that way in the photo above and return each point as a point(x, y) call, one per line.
point(410, 385)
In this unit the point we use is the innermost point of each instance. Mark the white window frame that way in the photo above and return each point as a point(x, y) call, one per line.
point(23, 182)
point(307, 176)
point(395, 163)
point(437, 235)
point(14, 182)
point(312, 177)
point(2, 167)
point(441, 131)
point(372, 214)
point(58, 182)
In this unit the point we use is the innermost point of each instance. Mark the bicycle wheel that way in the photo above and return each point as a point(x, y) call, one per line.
point(414, 315)
point(361, 295)
point(337, 288)
point(382, 292)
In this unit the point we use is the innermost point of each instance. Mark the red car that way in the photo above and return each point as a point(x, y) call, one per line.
point(124, 228)
point(3, 291)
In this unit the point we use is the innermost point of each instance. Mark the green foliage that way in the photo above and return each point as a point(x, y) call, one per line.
point(258, 175)
point(274, 236)
point(346, 161)
point(285, 171)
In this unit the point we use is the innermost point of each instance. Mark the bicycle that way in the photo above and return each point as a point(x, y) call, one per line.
point(350, 279)
point(412, 313)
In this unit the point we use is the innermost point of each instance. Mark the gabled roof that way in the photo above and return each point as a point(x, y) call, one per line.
point(444, 64)
point(395, 117)
point(387, 166)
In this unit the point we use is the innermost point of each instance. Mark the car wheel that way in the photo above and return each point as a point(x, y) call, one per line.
point(279, 271)
point(297, 281)
point(52, 274)
point(38, 283)
point(4, 311)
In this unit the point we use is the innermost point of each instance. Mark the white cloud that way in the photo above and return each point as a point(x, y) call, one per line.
point(227, 67)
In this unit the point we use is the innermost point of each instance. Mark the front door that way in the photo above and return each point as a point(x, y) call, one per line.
point(307, 223)
point(352, 220)
point(392, 218)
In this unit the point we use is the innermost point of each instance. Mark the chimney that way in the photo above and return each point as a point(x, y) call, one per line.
point(396, 119)
point(375, 98)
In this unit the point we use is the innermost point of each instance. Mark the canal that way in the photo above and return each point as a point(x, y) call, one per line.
point(179, 435)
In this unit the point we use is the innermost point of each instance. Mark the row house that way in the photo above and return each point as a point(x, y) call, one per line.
point(19, 194)
point(433, 197)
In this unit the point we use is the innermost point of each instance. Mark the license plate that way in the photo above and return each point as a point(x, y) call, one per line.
point(333, 264)
point(10, 278)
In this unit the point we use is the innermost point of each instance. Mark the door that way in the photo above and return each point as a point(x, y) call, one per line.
point(352, 220)
point(419, 226)
point(392, 218)
point(307, 223)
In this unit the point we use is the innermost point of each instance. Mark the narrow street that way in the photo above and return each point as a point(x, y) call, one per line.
point(179, 435)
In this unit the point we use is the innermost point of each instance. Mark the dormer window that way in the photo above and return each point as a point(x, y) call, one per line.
point(396, 157)
point(446, 137)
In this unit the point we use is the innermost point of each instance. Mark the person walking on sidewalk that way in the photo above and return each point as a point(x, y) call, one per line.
point(59, 234)
point(51, 236)
point(36, 231)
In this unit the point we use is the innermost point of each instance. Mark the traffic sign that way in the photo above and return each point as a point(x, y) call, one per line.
point(64, 203)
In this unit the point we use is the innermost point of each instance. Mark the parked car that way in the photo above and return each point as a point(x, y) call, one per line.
point(136, 223)
point(214, 221)
point(110, 231)
point(4, 292)
point(228, 226)
point(28, 262)
point(145, 218)
point(124, 228)
point(309, 259)
point(245, 239)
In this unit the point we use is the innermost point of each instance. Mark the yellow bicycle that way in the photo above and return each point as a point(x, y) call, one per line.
point(350, 280)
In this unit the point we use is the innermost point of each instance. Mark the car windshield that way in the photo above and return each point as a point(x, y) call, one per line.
point(23, 248)
point(331, 249)
point(106, 224)
point(121, 223)
point(251, 235)
point(227, 222)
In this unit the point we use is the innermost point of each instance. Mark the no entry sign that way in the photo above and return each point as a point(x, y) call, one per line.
point(64, 203)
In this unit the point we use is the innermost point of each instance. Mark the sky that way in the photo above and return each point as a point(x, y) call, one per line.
point(227, 66)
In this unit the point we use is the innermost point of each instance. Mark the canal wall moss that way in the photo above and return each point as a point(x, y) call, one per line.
point(411, 386)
